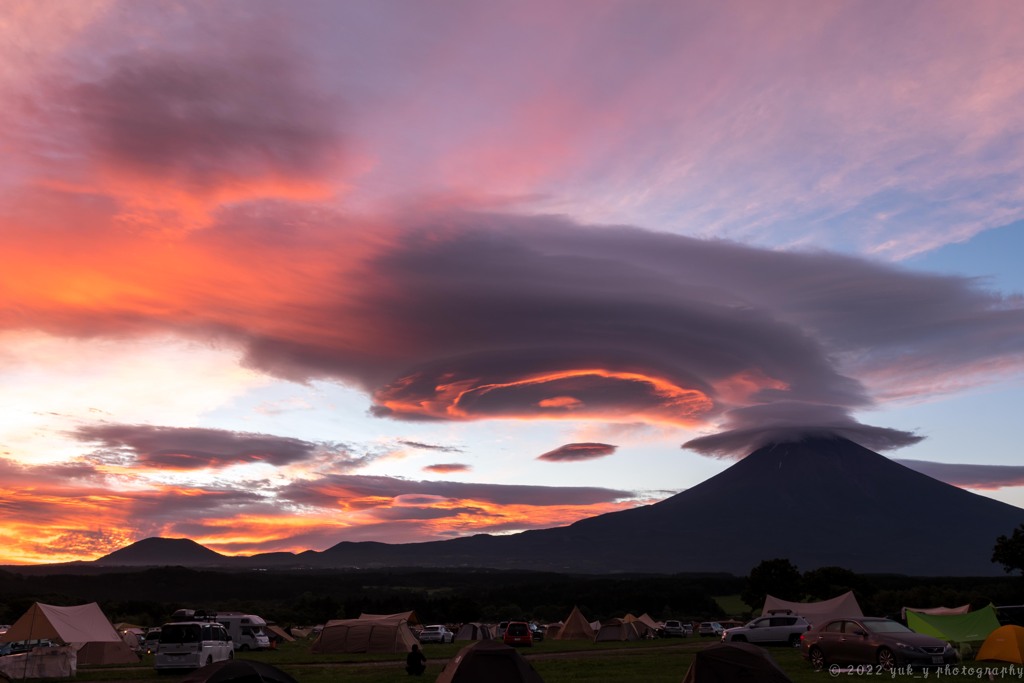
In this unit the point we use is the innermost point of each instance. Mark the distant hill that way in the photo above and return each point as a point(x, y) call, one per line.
point(153, 552)
point(818, 502)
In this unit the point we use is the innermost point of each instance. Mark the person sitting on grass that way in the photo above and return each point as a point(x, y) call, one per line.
point(415, 662)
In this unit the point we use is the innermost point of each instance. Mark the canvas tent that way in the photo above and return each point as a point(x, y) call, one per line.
point(962, 609)
point(617, 630)
point(368, 633)
point(965, 631)
point(844, 605)
point(84, 627)
point(474, 631)
point(487, 660)
point(576, 627)
point(410, 617)
point(735, 663)
point(1005, 644)
point(43, 662)
point(645, 625)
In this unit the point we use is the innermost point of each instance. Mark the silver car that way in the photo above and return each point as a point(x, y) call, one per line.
point(436, 633)
point(772, 629)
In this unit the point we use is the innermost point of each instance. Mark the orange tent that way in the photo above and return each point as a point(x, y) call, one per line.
point(1005, 644)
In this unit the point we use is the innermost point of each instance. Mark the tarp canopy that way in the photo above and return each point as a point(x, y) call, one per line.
point(487, 660)
point(735, 663)
point(960, 629)
point(368, 633)
point(84, 627)
point(576, 627)
point(1005, 644)
point(279, 633)
point(844, 605)
point(962, 609)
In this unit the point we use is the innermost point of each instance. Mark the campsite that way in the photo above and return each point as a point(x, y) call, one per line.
point(592, 613)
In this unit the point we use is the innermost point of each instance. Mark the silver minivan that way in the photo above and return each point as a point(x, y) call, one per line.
point(192, 644)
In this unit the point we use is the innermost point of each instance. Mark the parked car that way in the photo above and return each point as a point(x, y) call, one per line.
point(674, 628)
point(537, 632)
point(876, 641)
point(499, 634)
point(436, 633)
point(710, 628)
point(19, 646)
point(518, 633)
point(192, 644)
point(775, 628)
point(151, 641)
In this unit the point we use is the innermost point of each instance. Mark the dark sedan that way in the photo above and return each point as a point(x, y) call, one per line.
point(867, 640)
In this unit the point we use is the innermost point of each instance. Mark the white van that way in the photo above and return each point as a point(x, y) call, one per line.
point(246, 630)
point(192, 644)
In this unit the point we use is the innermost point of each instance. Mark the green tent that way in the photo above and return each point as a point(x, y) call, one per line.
point(969, 629)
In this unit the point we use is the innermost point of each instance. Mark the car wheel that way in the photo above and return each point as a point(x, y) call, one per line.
point(209, 659)
point(794, 639)
point(886, 659)
point(817, 658)
point(244, 648)
point(231, 654)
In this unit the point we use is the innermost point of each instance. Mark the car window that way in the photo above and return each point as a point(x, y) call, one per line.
point(783, 621)
point(851, 627)
point(834, 627)
point(180, 633)
point(886, 626)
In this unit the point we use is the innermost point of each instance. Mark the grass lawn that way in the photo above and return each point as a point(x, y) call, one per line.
point(732, 605)
point(657, 661)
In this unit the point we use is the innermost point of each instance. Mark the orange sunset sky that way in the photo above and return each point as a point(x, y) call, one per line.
point(279, 275)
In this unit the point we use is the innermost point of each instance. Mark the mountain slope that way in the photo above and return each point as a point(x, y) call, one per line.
point(818, 502)
point(151, 552)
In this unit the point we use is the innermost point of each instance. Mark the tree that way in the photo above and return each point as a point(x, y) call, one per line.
point(828, 582)
point(1009, 551)
point(777, 577)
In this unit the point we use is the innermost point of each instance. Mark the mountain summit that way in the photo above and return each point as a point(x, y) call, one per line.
point(817, 502)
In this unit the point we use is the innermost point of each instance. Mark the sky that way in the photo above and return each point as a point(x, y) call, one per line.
point(277, 275)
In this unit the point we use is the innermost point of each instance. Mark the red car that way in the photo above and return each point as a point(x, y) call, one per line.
point(518, 633)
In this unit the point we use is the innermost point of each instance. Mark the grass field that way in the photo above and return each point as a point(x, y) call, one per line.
point(657, 661)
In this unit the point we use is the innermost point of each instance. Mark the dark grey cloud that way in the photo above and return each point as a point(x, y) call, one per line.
point(572, 452)
point(744, 430)
point(324, 492)
point(431, 447)
point(969, 475)
point(187, 448)
point(444, 467)
point(481, 316)
point(209, 120)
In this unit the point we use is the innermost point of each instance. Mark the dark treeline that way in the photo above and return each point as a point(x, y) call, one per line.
point(148, 596)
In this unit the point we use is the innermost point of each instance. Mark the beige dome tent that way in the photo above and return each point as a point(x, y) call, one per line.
point(368, 633)
point(617, 630)
point(84, 627)
point(576, 627)
point(474, 631)
point(486, 660)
